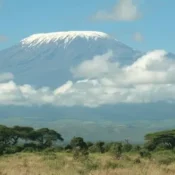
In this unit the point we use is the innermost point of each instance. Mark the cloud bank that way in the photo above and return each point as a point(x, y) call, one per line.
point(103, 81)
point(124, 10)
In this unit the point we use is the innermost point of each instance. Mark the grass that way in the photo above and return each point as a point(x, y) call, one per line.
point(162, 163)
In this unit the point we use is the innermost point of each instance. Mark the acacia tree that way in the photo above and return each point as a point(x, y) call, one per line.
point(78, 142)
point(5, 136)
point(21, 132)
point(41, 138)
point(163, 138)
point(45, 137)
point(79, 148)
point(100, 146)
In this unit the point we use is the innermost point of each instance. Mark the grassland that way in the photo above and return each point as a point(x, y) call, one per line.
point(162, 163)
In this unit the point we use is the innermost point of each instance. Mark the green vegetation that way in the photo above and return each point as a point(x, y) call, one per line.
point(19, 138)
point(27, 144)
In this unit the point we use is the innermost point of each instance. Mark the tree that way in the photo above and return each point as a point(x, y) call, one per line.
point(100, 146)
point(21, 132)
point(78, 142)
point(5, 136)
point(165, 139)
point(127, 146)
point(89, 144)
point(116, 149)
point(45, 137)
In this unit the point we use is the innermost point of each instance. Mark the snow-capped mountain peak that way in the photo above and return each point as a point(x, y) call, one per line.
point(67, 37)
point(46, 59)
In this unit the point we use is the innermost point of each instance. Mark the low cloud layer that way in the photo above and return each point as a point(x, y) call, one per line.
point(6, 76)
point(124, 10)
point(103, 81)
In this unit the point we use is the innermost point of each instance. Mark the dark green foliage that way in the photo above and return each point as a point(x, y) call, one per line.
point(97, 147)
point(31, 140)
point(136, 148)
point(166, 160)
point(112, 165)
point(80, 154)
point(78, 143)
point(116, 150)
point(80, 148)
point(19, 138)
point(68, 147)
point(161, 140)
point(127, 147)
point(12, 149)
point(145, 154)
point(137, 160)
point(45, 137)
point(89, 144)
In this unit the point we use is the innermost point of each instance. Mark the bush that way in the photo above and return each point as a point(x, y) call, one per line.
point(13, 149)
point(79, 154)
point(112, 165)
point(49, 150)
point(127, 147)
point(68, 147)
point(91, 165)
point(137, 161)
point(136, 148)
point(29, 149)
point(166, 161)
point(94, 149)
point(150, 146)
point(163, 146)
point(116, 150)
point(59, 149)
point(145, 154)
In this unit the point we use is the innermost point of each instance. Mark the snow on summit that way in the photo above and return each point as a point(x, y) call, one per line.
point(44, 38)
point(46, 59)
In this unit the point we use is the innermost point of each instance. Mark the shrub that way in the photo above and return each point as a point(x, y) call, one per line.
point(127, 147)
point(13, 149)
point(79, 154)
point(163, 146)
point(91, 165)
point(116, 150)
point(166, 161)
point(145, 154)
point(136, 148)
point(112, 165)
point(68, 147)
point(49, 150)
point(59, 148)
point(137, 160)
point(98, 147)
point(150, 146)
point(29, 149)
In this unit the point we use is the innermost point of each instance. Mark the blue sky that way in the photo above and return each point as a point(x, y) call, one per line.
point(21, 18)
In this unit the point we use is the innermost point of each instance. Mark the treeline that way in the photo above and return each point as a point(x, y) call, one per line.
point(164, 140)
point(19, 138)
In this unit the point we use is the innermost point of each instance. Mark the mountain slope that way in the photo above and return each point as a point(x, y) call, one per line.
point(46, 59)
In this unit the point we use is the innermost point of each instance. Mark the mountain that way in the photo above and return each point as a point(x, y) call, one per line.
point(45, 59)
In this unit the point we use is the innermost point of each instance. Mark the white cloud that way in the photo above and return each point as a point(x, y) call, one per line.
point(6, 76)
point(149, 79)
point(138, 37)
point(124, 10)
point(99, 65)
